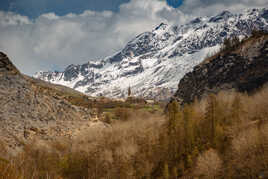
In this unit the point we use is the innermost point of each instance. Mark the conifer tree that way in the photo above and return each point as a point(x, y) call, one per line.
point(235, 41)
point(175, 172)
point(227, 45)
point(173, 110)
point(166, 171)
point(188, 129)
point(236, 109)
point(129, 91)
point(173, 130)
point(211, 118)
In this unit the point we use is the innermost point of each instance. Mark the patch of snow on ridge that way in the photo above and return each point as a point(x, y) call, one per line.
point(153, 63)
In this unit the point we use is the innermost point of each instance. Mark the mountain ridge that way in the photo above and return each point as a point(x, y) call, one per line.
point(153, 63)
point(243, 68)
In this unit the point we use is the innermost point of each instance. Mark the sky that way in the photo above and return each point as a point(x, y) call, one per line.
point(42, 35)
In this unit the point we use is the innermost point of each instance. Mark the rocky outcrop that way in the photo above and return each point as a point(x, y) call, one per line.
point(6, 65)
point(244, 69)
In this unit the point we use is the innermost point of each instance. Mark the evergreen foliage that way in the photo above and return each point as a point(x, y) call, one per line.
point(230, 44)
point(129, 91)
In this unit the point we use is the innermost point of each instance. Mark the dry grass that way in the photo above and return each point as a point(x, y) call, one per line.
point(141, 147)
point(112, 152)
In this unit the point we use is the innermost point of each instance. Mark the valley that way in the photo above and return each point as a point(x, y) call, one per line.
point(177, 102)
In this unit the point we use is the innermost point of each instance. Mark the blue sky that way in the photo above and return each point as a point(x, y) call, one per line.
point(34, 8)
point(174, 3)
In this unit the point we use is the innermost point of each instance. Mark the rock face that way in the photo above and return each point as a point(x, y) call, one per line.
point(244, 69)
point(6, 66)
point(33, 108)
point(154, 62)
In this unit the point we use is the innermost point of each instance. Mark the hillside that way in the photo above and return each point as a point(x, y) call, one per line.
point(222, 136)
point(33, 108)
point(243, 68)
point(154, 62)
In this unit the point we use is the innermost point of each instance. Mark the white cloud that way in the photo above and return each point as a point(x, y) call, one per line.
point(9, 18)
point(51, 41)
point(50, 16)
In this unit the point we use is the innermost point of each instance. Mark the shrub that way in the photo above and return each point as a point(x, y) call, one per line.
point(122, 113)
point(107, 118)
point(258, 33)
point(209, 164)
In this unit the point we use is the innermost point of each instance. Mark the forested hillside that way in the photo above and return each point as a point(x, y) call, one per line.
point(222, 136)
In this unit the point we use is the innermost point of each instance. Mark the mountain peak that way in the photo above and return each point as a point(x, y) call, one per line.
point(196, 20)
point(162, 26)
point(224, 15)
point(158, 59)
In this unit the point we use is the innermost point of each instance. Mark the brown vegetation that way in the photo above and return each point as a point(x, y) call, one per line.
point(222, 136)
point(208, 164)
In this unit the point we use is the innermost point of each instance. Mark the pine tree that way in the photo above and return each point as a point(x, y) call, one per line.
point(174, 130)
point(175, 172)
point(129, 91)
point(236, 109)
point(235, 41)
point(173, 110)
point(227, 45)
point(188, 129)
point(166, 171)
point(189, 161)
point(210, 116)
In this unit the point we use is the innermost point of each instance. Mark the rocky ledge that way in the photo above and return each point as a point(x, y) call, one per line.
point(244, 69)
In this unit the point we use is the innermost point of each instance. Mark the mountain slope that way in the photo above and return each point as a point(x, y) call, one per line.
point(34, 108)
point(154, 62)
point(244, 68)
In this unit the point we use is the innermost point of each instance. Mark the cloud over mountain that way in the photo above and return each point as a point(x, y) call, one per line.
point(52, 42)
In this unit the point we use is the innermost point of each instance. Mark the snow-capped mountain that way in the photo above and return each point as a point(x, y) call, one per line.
point(153, 63)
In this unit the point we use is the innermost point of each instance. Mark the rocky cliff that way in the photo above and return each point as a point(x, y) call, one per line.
point(244, 68)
